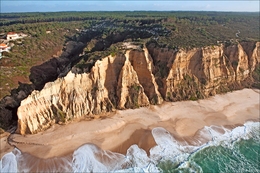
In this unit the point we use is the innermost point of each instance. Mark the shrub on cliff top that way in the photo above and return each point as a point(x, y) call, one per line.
point(256, 77)
point(1, 131)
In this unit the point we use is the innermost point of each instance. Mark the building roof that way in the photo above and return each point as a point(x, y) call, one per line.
point(3, 45)
point(11, 33)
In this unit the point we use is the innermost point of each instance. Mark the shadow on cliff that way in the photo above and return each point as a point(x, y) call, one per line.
point(59, 67)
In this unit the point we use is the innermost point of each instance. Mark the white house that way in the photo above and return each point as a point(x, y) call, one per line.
point(3, 48)
point(12, 36)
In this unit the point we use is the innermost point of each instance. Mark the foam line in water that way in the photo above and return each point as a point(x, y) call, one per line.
point(8, 163)
point(90, 158)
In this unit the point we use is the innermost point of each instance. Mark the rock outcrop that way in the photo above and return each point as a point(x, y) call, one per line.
point(139, 78)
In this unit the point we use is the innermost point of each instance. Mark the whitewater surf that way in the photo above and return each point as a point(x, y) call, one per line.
point(218, 134)
point(226, 150)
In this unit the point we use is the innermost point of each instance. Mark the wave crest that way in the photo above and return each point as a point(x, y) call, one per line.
point(91, 158)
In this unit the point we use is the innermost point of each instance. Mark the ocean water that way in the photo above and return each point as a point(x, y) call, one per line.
point(225, 150)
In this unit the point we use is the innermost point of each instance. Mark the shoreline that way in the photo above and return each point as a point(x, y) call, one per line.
point(125, 127)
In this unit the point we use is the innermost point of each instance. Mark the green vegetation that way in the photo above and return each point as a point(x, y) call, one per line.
point(193, 97)
point(132, 100)
point(256, 76)
point(188, 29)
point(1, 131)
point(223, 89)
point(136, 88)
point(35, 49)
point(48, 33)
point(163, 70)
point(61, 115)
point(154, 100)
point(134, 94)
point(189, 88)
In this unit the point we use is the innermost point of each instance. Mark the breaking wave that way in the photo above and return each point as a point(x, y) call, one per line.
point(213, 149)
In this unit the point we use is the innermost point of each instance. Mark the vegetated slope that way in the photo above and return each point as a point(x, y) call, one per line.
point(140, 77)
point(32, 50)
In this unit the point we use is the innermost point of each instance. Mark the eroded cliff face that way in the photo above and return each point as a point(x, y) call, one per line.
point(199, 73)
point(113, 83)
point(139, 78)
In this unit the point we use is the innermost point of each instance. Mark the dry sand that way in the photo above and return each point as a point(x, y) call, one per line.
point(124, 128)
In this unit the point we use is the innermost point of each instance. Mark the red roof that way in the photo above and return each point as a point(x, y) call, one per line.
point(3, 45)
point(11, 33)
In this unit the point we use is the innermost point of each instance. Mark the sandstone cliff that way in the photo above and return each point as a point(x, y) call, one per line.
point(76, 48)
point(139, 78)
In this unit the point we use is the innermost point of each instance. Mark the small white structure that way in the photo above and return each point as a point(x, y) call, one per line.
point(3, 48)
point(12, 36)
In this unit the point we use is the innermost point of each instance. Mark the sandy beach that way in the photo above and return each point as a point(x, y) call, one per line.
point(120, 129)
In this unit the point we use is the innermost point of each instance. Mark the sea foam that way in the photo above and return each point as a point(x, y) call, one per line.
point(91, 158)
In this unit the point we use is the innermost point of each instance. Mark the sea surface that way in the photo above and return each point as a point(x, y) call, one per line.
point(215, 149)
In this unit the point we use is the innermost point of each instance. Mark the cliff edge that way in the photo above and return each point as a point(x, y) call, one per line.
point(140, 77)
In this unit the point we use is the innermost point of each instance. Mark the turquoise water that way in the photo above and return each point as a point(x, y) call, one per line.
point(242, 157)
point(227, 150)
point(235, 156)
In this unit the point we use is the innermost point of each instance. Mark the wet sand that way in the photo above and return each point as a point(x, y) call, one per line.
point(123, 128)
point(4, 146)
